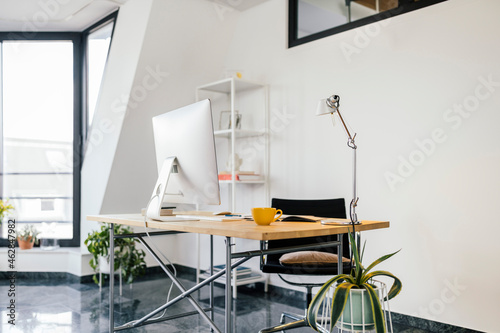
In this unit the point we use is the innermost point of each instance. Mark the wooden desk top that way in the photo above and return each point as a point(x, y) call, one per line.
point(241, 228)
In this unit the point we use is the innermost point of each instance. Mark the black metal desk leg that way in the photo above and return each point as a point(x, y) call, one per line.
point(229, 295)
point(112, 278)
point(340, 254)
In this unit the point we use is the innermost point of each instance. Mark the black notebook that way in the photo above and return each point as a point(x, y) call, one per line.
point(300, 218)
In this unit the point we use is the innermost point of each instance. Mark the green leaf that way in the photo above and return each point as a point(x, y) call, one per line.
point(363, 251)
point(379, 260)
point(127, 257)
point(378, 314)
point(358, 269)
point(314, 306)
point(396, 287)
point(339, 300)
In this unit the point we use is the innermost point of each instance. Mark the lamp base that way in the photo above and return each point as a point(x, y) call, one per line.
point(338, 221)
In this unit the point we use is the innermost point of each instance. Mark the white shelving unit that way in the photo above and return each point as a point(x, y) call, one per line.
point(240, 279)
point(226, 93)
point(249, 100)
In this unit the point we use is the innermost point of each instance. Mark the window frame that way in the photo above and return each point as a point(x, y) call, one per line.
point(75, 38)
point(80, 107)
point(405, 6)
point(85, 34)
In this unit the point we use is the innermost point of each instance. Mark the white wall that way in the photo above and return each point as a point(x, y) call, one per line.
point(161, 50)
point(184, 45)
point(398, 80)
point(111, 108)
point(401, 82)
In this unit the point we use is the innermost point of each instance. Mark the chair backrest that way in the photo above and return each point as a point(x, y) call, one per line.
point(334, 208)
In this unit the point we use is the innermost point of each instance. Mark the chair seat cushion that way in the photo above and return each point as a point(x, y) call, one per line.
point(310, 258)
point(302, 269)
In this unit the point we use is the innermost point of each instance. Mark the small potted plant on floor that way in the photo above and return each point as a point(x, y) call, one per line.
point(27, 236)
point(128, 258)
point(359, 279)
point(5, 208)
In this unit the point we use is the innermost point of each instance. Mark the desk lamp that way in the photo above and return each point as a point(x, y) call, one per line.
point(331, 106)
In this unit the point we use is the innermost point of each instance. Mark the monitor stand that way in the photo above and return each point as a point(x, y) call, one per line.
point(154, 208)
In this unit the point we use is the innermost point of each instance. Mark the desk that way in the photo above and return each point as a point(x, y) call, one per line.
point(237, 229)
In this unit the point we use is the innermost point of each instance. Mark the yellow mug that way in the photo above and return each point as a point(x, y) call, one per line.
point(265, 216)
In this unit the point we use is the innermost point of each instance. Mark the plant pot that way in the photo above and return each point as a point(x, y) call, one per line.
point(362, 315)
point(25, 244)
point(104, 264)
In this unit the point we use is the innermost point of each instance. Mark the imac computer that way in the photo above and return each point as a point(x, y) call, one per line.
point(186, 160)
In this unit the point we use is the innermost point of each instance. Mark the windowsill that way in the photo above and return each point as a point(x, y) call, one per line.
point(64, 260)
point(37, 250)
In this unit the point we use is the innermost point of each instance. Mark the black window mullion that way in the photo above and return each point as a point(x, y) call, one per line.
point(77, 142)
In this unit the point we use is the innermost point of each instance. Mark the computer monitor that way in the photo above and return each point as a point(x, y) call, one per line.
point(185, 157)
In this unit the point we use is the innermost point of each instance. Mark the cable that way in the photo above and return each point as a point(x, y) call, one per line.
point(164, 257)
point(161, 253)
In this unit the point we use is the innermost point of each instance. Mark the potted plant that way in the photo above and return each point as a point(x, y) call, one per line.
point(27, 236)
point(5, 208)
point(128, 258)
point(360, 278)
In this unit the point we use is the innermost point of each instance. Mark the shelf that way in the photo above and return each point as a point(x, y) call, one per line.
point(224, 86)
point(238, 133)
point(246, 279)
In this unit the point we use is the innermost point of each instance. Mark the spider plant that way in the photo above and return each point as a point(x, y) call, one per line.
point(358, 278)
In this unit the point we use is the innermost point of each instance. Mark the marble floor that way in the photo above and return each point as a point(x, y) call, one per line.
point(54, 306)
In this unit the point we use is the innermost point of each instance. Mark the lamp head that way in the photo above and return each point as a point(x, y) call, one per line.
point(329, 105)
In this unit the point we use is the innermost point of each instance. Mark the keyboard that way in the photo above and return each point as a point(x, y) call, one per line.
point(176, 218)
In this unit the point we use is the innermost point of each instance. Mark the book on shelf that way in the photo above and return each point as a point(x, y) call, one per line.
point(237, 172)
point(240, 270)
point(240, 175)
point(249, 278)
point(250, 177)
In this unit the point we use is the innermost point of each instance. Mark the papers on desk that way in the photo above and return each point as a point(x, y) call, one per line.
point(179, 216)
point(222, 218)
point(175, 218)
point(300, 218)
point(336, 221)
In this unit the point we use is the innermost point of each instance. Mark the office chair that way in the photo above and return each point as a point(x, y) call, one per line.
point(334, 208)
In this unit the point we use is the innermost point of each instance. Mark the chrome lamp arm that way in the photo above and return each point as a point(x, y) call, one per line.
point(331, 106)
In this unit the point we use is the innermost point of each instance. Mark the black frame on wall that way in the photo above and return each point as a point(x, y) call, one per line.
point(405, 6)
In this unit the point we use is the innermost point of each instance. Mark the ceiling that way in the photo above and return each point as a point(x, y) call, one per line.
point(53, 15)
point(72, 15)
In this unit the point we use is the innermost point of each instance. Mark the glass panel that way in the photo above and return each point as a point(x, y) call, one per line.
point(98, 47)
point(37, 154)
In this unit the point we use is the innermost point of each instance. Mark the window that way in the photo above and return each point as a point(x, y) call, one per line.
point(46, 108)
point(309, 20)
point(40, 109)
point(97, 41)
